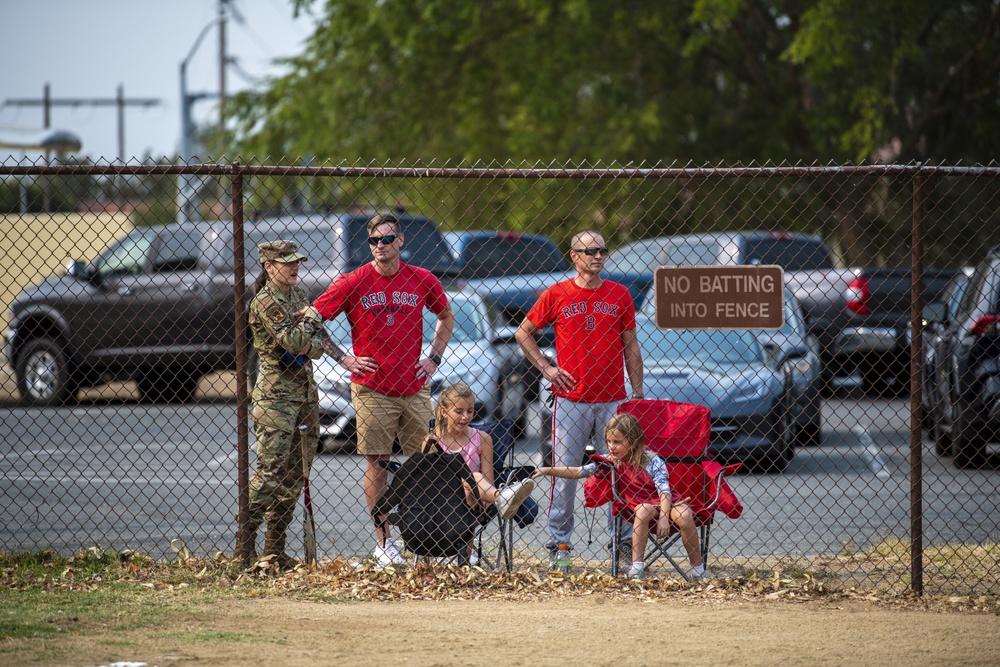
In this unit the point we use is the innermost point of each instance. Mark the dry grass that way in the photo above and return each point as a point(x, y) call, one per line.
point(93, 570)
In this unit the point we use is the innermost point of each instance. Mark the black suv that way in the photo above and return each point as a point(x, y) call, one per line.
point(962, 366)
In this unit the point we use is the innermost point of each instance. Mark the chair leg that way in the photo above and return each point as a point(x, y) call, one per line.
point(616, 539)
point(706, 534)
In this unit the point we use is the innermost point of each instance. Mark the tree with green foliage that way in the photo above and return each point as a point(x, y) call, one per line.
point(640, 82)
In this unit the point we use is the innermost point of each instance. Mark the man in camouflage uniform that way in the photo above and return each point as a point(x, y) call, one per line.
point(285, 331)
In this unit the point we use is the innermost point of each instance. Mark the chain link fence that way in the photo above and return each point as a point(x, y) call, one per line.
point(866, 424)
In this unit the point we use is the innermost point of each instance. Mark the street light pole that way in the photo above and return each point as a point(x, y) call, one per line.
point(188, 209)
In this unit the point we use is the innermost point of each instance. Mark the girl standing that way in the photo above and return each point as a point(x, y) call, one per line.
point(644, 488)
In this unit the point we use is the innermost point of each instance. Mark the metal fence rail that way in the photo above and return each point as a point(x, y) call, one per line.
point(867, 423)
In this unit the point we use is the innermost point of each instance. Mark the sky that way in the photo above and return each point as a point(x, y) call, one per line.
point(87, 48)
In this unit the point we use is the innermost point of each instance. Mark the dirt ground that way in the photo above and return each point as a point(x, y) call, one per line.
point(587, 630)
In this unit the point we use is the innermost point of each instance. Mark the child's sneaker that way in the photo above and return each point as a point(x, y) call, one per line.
point(636, 571)
point(510, 497)
point(388, 555)
point(699, 574)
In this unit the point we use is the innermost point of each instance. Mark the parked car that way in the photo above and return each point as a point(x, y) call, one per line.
point(933, 334)
point(157, 306)
point(753, 411)
point(489, 362)
point(796, 353)
point(965, 369)
point(489, 254)
point(860, 316)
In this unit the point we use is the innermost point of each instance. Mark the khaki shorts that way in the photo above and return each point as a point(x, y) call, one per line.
point(381, 418)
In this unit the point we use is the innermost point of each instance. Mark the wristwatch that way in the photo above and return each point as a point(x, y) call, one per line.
point(436, 358)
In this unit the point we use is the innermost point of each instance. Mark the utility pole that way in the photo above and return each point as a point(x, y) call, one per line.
point(119, 101)
point(222, 66)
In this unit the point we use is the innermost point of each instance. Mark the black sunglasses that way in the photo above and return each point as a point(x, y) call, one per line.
point(591, 252)
point(384, 240)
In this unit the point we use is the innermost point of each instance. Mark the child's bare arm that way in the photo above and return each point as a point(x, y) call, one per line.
point(566, 472)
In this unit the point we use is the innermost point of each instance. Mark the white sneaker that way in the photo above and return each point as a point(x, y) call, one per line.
point(702, 576)
point(388, 555)
point(636, 571)
point(511, 497)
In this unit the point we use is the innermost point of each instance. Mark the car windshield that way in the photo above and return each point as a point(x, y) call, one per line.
point(670, 346)
point(790, 254)
point(470, 324)
point(645, 256)
point(634, 258)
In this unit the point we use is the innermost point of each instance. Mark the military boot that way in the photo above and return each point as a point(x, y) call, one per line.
point(252, 531)
point(274, 540)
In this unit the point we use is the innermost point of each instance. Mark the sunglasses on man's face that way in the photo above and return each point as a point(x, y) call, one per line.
point(384, 240)
point(593, 252)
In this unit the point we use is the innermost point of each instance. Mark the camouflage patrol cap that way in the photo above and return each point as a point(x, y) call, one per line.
point(283, 252)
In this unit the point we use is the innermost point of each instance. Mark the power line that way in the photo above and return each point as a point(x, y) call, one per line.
point(119, 101)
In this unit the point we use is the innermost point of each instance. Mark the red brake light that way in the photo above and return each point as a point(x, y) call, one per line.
point(857, 296)
point(985, 325)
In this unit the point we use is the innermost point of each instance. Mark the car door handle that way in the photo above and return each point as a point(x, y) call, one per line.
point(124, 290)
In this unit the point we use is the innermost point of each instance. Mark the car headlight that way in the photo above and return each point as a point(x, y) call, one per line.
point(797, 369)
point(754, 388)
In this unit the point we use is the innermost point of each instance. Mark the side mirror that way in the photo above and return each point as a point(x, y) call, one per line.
point(935, 313)
point(76, 268)
point(95, 277)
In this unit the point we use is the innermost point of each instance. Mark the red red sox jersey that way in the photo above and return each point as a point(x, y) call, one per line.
point(589, 325)
point(386, 314)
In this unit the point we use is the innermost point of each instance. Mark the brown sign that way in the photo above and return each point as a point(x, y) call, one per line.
point(719, 297)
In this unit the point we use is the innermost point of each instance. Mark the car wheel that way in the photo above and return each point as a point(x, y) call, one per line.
point(513, 400)
point(783, 442)
point(967, 441)
point(943, 421)
point(172, 385)
point(330, 445)
point(44, 373)
point(810, 435)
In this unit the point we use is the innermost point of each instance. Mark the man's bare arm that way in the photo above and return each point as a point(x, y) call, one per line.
point(633, 362)
point(525, 336)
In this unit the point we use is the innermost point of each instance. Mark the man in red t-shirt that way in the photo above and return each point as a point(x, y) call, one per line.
point(384, 303)
point(595, 346)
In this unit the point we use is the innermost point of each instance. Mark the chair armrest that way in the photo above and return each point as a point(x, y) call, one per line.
point(717, 477)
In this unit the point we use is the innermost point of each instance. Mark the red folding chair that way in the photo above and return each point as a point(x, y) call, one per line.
point(679, 433)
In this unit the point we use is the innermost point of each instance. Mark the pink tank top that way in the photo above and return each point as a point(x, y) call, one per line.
point(470, 452)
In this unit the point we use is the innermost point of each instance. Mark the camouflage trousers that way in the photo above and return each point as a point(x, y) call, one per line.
point(281, 448)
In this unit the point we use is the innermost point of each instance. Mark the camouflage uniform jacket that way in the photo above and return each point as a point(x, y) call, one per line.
point(275, 332)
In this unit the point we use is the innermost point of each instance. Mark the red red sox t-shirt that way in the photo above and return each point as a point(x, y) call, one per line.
point(589, 325)
point(386, 318)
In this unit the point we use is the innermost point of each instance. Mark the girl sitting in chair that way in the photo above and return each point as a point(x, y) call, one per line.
point(644, 489)
point(453, 433)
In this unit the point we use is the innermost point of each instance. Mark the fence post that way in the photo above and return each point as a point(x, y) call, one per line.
point(245, 541)
point(916, 373)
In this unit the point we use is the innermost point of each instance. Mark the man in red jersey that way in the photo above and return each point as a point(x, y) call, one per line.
point(390, 379)
point(595, 346)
